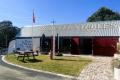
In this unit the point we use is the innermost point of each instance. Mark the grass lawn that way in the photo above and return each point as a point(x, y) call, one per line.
point(63, 65)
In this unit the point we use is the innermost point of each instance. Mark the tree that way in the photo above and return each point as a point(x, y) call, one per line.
point(104, 14)
point(7, 33)
point(43, 40)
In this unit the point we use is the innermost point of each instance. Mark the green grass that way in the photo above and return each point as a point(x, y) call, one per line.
point(63, 65)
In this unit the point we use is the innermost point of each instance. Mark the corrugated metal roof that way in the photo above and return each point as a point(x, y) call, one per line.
point(103, 28)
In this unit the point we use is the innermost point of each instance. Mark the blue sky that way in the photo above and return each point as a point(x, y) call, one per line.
point(62, 11)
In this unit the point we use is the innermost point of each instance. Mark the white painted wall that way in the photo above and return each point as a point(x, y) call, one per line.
point(36, 43)
point(24, 44)
point(11, 46)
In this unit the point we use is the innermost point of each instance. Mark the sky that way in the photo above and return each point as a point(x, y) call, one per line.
point(62, 11)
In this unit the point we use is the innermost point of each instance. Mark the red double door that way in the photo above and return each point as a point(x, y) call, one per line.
point(105, 46)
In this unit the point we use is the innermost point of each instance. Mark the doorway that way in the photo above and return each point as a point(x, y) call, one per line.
point(86, 44)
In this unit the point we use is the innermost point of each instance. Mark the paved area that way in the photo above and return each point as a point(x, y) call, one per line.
point(8, 72)
point(99, 69)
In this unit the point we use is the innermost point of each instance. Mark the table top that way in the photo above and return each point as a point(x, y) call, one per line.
point(25, 51)
point(28, 51)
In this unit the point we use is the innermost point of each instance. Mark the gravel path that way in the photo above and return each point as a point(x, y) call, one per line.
point(99, 69)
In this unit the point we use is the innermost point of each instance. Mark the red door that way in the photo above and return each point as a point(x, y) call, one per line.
point(75, 41)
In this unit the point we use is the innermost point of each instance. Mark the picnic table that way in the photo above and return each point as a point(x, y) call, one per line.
point(25, 54)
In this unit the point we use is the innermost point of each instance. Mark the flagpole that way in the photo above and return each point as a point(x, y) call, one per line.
point(32, 35)
point(33, 21)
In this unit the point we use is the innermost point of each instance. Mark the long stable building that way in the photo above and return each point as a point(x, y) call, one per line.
point(95, 38)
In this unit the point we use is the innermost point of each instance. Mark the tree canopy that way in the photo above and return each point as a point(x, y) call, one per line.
point(103, 14)
point(7, 33)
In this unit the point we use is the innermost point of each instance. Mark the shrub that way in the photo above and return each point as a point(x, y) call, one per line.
point(116, 63)
point(59, 54)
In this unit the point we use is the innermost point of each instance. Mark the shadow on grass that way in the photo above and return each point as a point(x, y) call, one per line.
point(23, 61)
point(71, 60)
point(31, 61)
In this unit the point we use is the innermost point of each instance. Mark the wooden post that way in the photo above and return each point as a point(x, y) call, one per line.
point(53, 32)
point(51, 55)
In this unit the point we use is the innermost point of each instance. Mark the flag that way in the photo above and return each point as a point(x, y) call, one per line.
point(33, 17)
